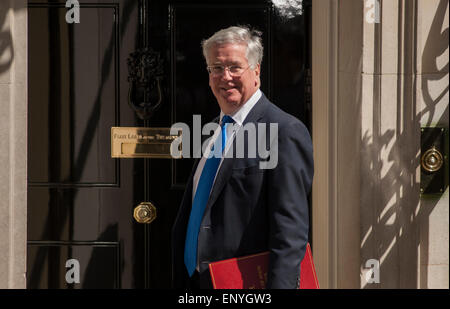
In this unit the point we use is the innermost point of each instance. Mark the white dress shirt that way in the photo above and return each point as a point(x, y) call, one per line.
point(238, 117)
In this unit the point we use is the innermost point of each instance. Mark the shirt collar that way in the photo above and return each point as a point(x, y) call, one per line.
point(240, 115)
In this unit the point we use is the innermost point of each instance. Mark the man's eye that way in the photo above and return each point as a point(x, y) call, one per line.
point(217, 69)
point(235, 68)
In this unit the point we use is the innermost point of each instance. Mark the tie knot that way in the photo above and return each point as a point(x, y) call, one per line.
point(226, 119)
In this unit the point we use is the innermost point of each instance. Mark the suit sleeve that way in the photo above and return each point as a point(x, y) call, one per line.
point(289, 184)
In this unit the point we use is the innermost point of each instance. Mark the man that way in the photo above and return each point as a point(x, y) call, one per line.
point(235, 206)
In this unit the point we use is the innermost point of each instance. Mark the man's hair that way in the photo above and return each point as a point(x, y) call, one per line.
point(237, 35)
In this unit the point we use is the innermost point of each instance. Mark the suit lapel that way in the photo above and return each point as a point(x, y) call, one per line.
point(224, 173)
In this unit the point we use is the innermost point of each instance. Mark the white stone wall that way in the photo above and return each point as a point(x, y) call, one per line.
point(13, 143)
point(405, 85)
point(378, 77)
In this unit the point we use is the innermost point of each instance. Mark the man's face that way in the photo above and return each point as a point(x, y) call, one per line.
point(232, 92)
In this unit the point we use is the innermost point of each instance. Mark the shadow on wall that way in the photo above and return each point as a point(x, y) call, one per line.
point(394, 218)
point(6, 44)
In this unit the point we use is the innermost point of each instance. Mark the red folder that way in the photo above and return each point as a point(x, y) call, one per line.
point(250, 272)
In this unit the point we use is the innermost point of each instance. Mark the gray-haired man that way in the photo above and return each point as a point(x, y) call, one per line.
point(231, 206)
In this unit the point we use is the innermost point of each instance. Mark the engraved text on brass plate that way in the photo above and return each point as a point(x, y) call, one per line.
point(141, 142)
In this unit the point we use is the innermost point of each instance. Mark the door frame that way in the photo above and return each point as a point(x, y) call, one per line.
point(13, 142)
point(336, 66)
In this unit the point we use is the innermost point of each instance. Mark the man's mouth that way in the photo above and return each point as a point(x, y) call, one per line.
point(227, 88)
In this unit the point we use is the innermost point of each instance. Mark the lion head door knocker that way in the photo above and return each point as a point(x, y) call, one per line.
point(145, 72)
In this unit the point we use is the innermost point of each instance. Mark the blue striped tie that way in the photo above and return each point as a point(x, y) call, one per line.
point(201, 198)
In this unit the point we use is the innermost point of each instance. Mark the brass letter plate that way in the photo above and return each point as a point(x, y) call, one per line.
point(140, 142)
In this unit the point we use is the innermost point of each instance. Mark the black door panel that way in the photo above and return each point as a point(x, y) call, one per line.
point(80, 200)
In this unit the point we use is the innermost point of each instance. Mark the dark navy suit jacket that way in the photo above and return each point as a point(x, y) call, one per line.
point(251, 210)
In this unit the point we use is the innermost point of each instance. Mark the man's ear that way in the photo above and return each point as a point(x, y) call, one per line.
point(258, 75)
point(258, 69)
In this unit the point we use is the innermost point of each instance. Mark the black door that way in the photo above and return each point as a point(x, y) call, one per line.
point(80, 200)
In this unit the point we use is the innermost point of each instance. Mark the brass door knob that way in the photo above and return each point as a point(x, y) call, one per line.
point(145, 212)
point(432, 160)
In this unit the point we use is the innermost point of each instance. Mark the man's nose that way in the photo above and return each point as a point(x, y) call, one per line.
point(226, 75)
